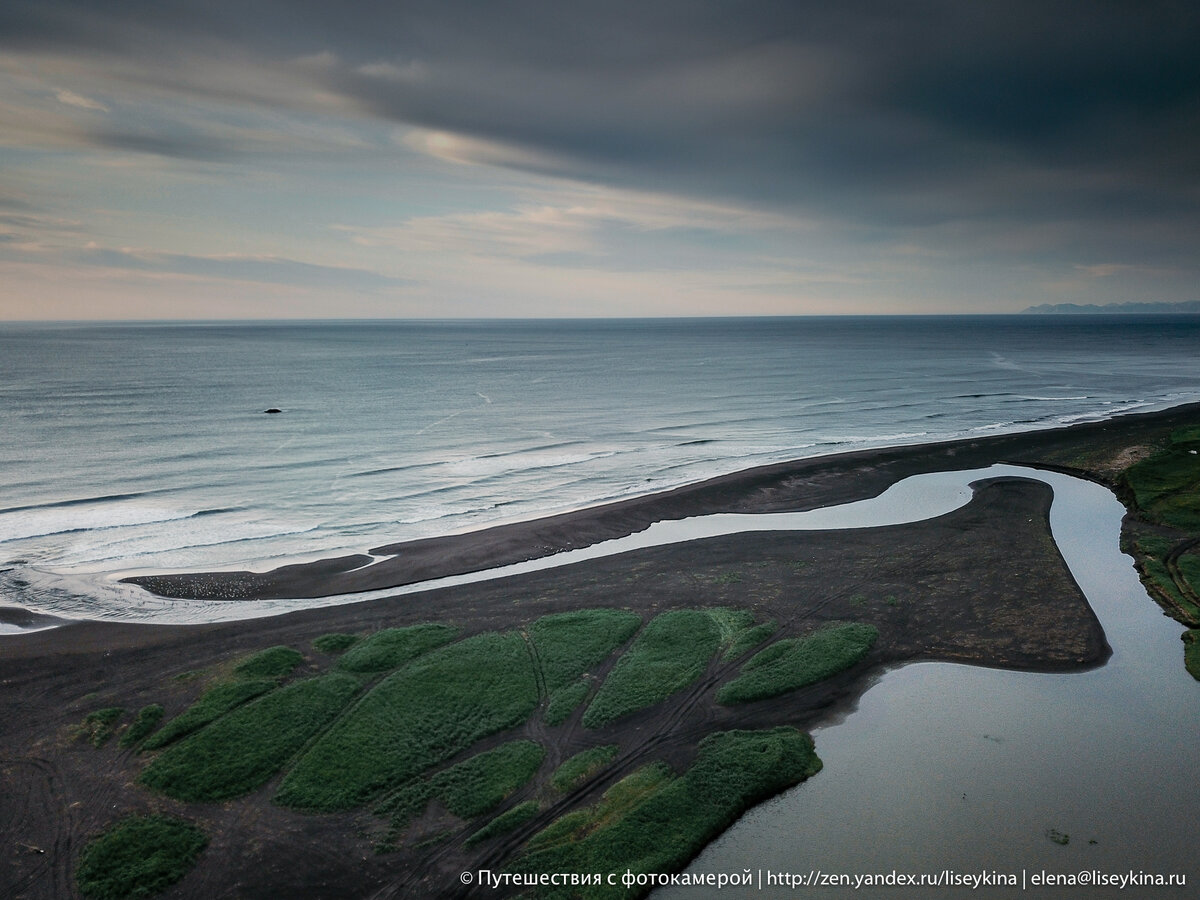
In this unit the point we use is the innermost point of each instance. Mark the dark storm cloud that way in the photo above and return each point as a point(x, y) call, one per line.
point(893, 114)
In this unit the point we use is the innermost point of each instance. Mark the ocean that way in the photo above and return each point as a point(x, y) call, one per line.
point(145, 447)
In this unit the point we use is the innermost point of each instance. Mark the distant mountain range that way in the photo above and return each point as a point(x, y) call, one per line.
point(1057, 309)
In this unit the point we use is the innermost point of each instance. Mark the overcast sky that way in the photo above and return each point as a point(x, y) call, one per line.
point(232, 158)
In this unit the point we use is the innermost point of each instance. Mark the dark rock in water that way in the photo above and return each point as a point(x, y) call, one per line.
point(272, 410)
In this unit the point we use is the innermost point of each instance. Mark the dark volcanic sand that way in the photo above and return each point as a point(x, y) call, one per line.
point(983, 584)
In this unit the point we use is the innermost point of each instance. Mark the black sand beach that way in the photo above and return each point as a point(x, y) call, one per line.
point(983, 585)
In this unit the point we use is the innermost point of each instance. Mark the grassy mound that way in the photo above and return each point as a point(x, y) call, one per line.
point(245, 748)
point(564, 701)
point(795, 662)
point(393, 647)
point(570, 643)
point(213, 704)
point(506, 821)
point(474, 786)
point(147, 718)
point(334, 643)
point(139, 856)
point(417, 717)
point(274, 662)
point(582, 766)
point(670, 653)
point(653, 821)
point(730, 622)
point(97, 727)
point(747, 639)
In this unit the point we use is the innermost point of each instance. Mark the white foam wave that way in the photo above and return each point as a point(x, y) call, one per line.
point(63, 520)
point(175, 540)
point(521, 462)
point(1051, 399)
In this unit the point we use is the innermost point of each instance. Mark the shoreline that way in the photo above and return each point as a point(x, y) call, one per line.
point(791, 486)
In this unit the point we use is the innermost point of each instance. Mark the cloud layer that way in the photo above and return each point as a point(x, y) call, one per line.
point(865, 157)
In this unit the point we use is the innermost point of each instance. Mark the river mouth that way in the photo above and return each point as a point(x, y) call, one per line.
point(953, 771)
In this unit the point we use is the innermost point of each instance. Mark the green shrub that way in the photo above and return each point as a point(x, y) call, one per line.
point(564, 701)
point(393, 647)
point(730, 622)
point(139, 856)
point(245, 748)
point(582, 766)
point(482, 782)
point(670, 653)
point(274, 662)
point(569, 644)
point(795, 662)
point(334, 643)
point(506, 821)
point(213, 704)
point(417, 717)
point(748, 639)
point(147, 718)
point(613, 804)
point(99, 726)
point(473, 786)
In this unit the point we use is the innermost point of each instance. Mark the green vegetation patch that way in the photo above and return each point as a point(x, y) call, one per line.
point(569, 644)
point(730, 622)
point(506, 821)
point(147, 718)
point(1166, 486)
point(245, 748)
point(1151, 554)
point(139, 856)
point(747, 639)
point(417, 717)
point(213, 704)
point(393, 647)
point(653, 821)
point(582, 766)
point(564, 701)
point(1189, 568)
point(618, 800)
point(1191, 652)
point(334, 643)
point(476, 785)
point(795, 662)
point(480, 784)
point(671, 652)
point(97, 727)
point(274, 662)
